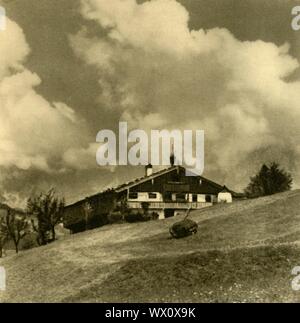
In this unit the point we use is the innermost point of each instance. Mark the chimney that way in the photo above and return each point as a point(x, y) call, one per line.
point(149, 170)
point(172, 157)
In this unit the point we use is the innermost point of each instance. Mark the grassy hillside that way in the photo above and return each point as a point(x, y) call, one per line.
point(243, 252)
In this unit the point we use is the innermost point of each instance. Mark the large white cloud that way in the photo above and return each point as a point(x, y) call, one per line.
point(34, 133)
point(163, 74)
point(13, 48)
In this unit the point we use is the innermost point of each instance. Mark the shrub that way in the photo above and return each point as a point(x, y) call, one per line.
point(96, 221)
point(29, 242)
point(183, 228)
point(136, 217)
point(115, 217)
point(154, 215)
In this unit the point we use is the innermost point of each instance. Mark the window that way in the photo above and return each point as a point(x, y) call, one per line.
point(208, 198)
point(180, 197)
point(200, 181)
point(195, 198)
point(175, 177)
point(133, 195)
point(168, 196)
point(152, 195)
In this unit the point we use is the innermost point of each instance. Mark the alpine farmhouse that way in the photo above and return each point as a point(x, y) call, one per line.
point(166, 193)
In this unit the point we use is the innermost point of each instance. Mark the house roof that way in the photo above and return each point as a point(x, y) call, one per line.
point(125, 186)
point(146, 178)
point(140, 180)
point(143, 179)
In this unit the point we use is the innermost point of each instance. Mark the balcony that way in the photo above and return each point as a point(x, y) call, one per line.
point(170, 205)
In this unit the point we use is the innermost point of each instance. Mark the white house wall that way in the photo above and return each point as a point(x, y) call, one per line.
point(201, 198)
point(224, 197)
point(144, 197)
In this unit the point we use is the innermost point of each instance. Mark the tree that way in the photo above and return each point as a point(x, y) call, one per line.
point(48, 209)
point(145, 207)
point(88, 211)
point(3, 237)
point(270, 180)
point(15, 227)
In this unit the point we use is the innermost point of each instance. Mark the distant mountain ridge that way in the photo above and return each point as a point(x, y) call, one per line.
point(4, 206)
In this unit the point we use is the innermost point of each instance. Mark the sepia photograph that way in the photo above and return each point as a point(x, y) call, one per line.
point(149, 154)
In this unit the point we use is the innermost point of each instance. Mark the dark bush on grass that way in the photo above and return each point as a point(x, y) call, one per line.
point(183, 228)
point(115, 217)
point(29, 242)
point(136, 217)
point(154, 216)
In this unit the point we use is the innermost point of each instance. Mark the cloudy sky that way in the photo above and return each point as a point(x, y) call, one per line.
point(69, 68)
